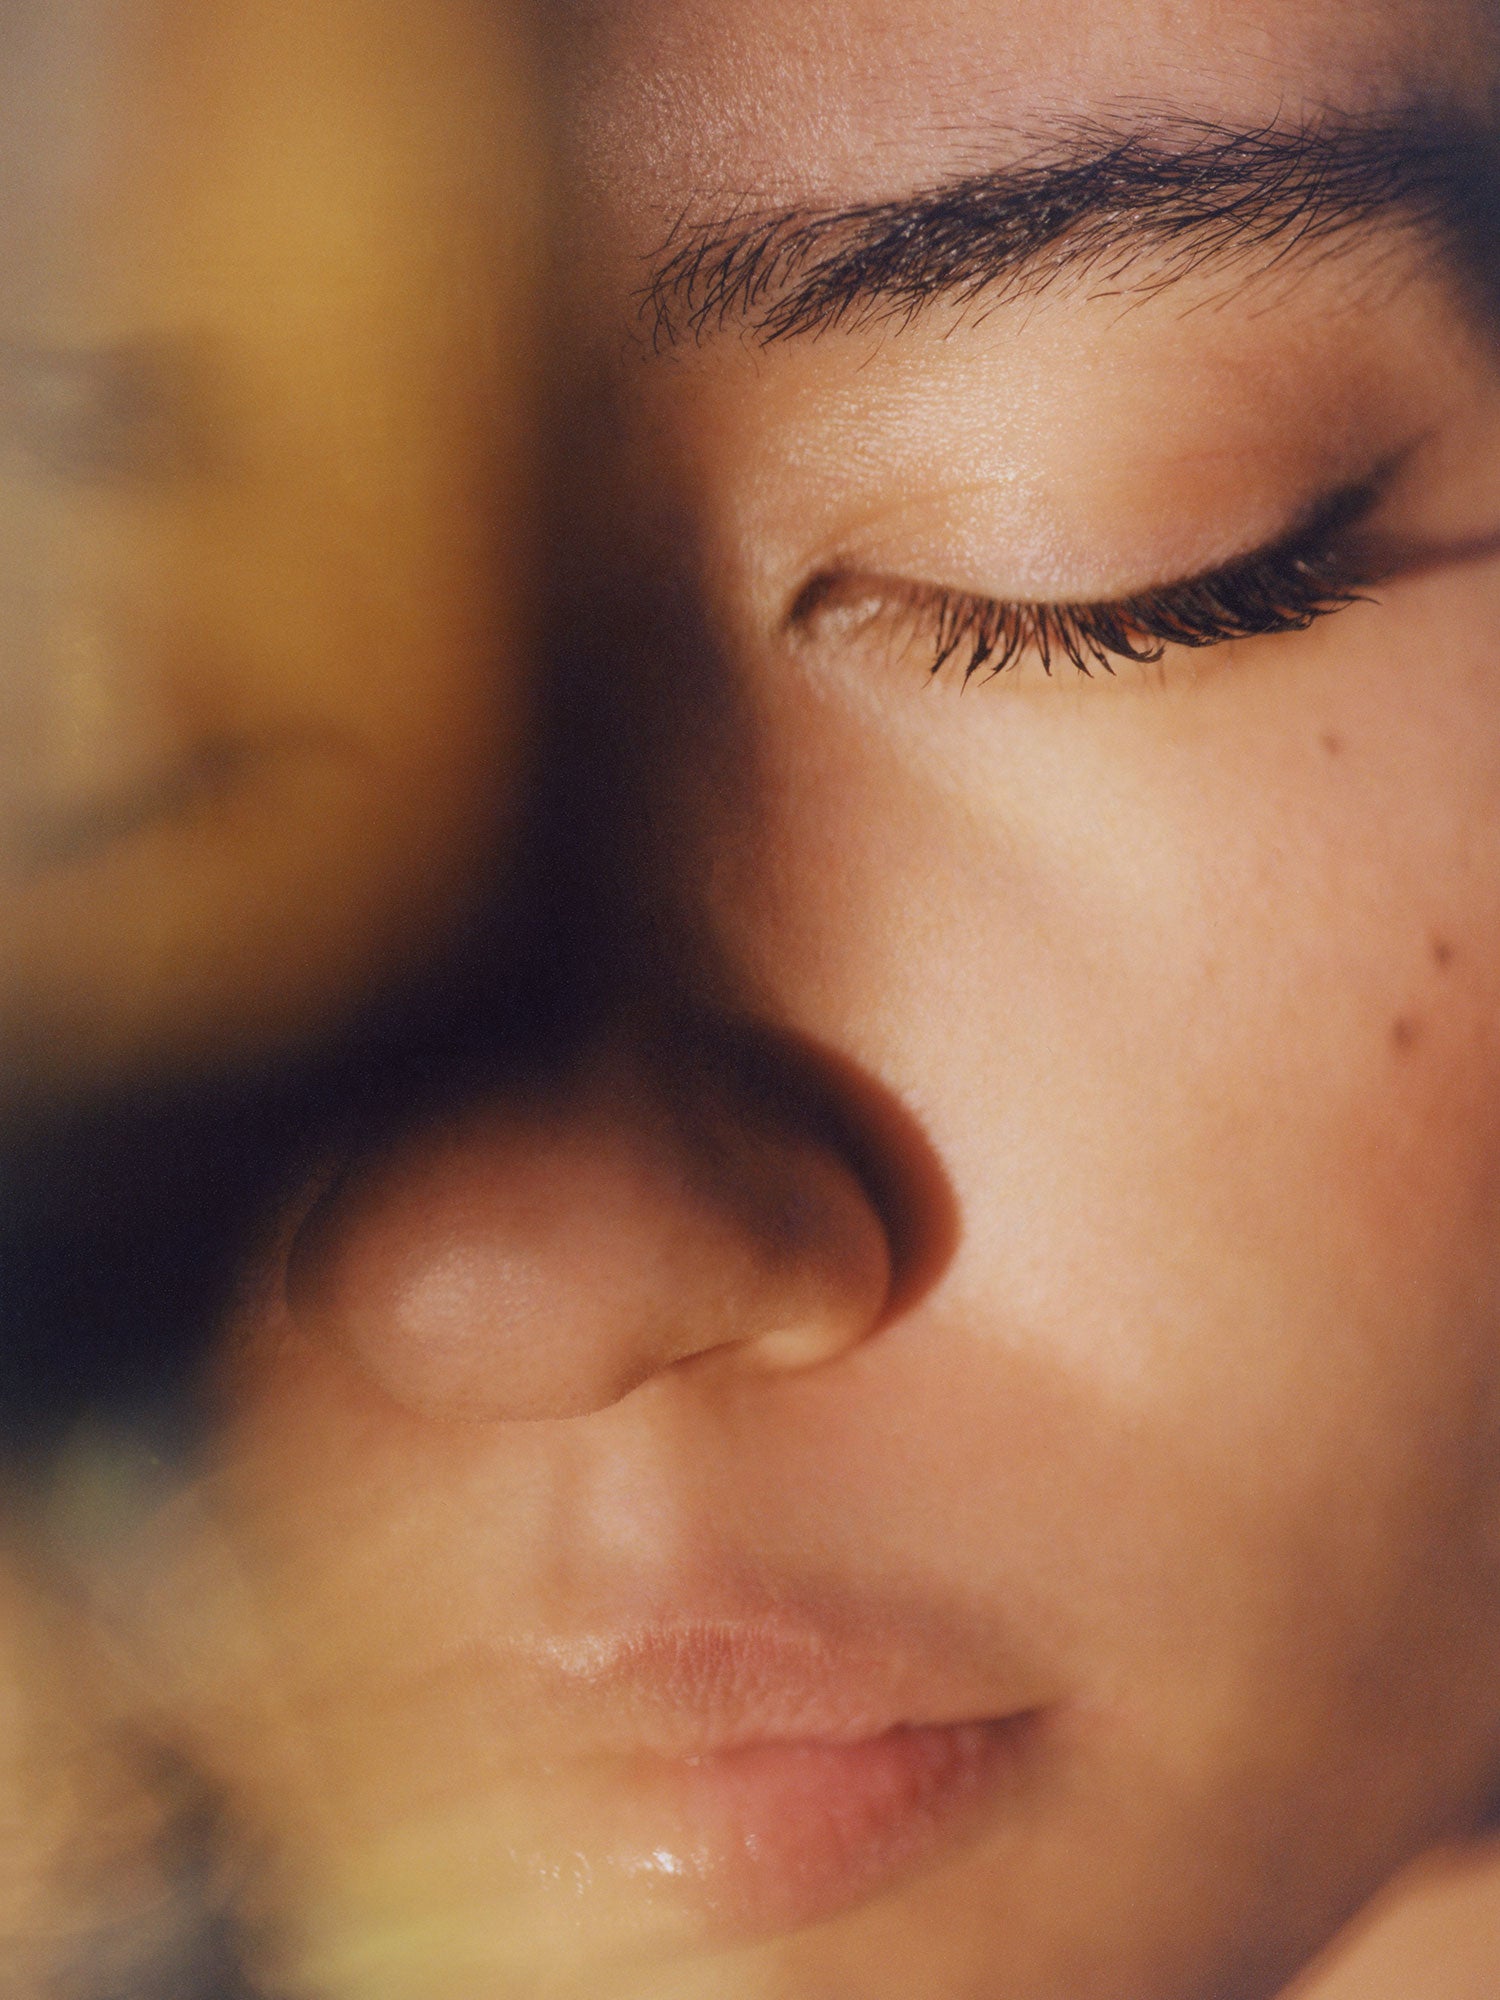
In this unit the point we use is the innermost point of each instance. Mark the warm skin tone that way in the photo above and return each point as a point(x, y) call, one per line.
point(1434, 1935)
point(85, 1889)
point(1093, 1282)
point(263, 320)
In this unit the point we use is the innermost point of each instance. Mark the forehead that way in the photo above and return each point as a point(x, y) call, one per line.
point(802, 100)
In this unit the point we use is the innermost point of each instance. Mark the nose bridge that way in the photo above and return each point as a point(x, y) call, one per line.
point(690, 1190)
point(515, 1262)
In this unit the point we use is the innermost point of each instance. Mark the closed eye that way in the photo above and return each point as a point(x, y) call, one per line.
point(1284, 587)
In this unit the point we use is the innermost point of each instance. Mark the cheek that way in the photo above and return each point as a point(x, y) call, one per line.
point(1222, 956)
point(1197, 1012)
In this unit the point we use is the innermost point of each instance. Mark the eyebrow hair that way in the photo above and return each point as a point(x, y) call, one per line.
point(1181, 194)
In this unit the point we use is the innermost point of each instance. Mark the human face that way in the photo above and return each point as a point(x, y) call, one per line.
point(83, 1893)
point(263, 344)
point(951, 1448)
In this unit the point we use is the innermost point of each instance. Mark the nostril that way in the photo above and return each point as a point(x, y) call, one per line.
point(822, 1259)
point(800, 1086)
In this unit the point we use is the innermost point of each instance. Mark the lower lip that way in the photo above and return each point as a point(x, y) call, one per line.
point(766, 1837)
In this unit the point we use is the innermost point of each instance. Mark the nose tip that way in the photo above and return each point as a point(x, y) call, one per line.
point(544, 1266)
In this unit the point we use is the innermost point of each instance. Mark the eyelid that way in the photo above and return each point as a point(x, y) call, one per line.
point(1284, 585)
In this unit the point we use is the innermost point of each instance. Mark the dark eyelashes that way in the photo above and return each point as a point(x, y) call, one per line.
point(1286, 588)
point(1327, 562)
point(1253, 601)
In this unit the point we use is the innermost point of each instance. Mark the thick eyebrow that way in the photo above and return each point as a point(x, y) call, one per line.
point(1137, 208)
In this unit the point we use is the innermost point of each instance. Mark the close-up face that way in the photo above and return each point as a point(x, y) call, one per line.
point(947, 1441)
point(264, 367)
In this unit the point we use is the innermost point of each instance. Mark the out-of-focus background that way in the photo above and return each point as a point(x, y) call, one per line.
point(261, 496)
point(268, 388)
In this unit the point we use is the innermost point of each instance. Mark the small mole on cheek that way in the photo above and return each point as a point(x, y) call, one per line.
point(1333, 744)
point(1406, 1032)
point(1442, 953)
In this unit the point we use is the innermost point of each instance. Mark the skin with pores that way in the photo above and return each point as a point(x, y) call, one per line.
point(1019, 1258)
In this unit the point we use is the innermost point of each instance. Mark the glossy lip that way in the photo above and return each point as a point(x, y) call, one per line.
point(768, 1837)
point(754, 1775)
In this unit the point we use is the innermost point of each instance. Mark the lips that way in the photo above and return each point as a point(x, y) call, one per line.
point(694, 1687)
point(608, 1715)
point(771, 1836)
point(755, 1775)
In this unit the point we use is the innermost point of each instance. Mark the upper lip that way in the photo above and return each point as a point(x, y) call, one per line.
point(687, 1687)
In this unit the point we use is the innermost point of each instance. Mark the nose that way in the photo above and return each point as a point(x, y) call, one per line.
point(509, 1264)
